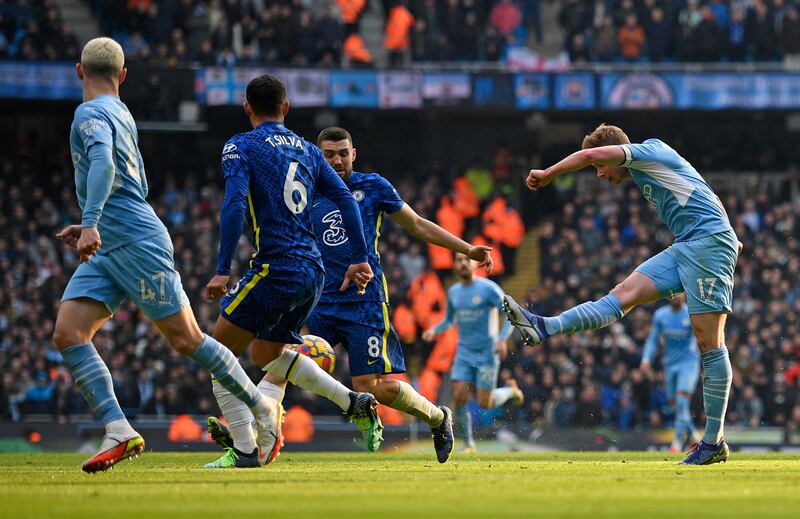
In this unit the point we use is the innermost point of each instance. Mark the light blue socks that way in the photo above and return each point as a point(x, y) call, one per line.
point(225, 368)
point(92, 377)
point(716, 388)
point(587, 316)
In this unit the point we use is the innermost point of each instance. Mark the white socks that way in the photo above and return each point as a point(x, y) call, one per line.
point(240, 418)
point(411, 402)
point(120, 429)
point(270, 390)
point(305, 373)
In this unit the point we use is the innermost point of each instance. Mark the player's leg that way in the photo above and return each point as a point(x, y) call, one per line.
point(461, 374)
point(706, 269)
point(653, 280)
point(671, 374)
point(89, 298)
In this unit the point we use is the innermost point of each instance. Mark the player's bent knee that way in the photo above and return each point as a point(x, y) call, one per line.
point(64, 338)
point(183, 345)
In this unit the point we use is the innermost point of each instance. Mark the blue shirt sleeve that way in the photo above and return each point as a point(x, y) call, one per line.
point(93, 127)
point(390, 202)
point(334, 189)
point(648, 154)
point(99, 182)
point(236, 169)
point(650, 346)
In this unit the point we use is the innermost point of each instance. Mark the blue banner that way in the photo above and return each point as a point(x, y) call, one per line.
point(574, 91)
point(40, 81)
point(493, 90)
point(532, 91)
point(354, 89)
point(701, 91)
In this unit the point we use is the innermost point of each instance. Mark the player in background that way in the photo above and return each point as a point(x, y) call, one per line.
point(681, 364)
point(125, 251)
point(272, 175)
point(700, 263)
point(361, 323)
point(474, 305)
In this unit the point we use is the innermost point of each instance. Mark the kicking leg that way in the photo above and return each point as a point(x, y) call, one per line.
point(637, 289)
point(303, 372)
point(77, 322)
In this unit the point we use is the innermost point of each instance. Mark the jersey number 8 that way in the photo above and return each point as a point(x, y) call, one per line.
point(292, 186)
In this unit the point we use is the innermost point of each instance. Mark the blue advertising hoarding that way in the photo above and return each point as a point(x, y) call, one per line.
point(574, 91)
point(532, 91)
point(354, 89)
point(55, 81)
point(493, 90)
point(700, 90)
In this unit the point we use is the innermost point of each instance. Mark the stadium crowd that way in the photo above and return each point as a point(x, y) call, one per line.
point(322, 32)
point(582, 380)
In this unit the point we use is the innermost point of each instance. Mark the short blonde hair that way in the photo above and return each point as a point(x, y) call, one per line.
point(605, 135)
point(102, 57)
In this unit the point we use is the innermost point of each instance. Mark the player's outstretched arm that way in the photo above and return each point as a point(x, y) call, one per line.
point(231, 218)
point(448, 321)
point(602, 156)
point(431, 232)
point(650, 346)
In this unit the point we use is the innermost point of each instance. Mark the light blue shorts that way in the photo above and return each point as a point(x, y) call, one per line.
point(143, 271)
point(701, 268)
point(682, 377)
point(483, 376)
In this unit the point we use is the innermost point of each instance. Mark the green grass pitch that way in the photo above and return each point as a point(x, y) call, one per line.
point(361, 485)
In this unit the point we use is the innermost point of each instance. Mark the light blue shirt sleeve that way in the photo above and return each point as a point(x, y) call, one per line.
point(99, 182)
point(449, 317)
point(651, 344)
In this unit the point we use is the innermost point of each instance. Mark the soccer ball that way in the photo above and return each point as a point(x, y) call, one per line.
point(317, 349)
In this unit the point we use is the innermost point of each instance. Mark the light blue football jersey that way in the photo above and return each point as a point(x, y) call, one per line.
point(683, 200)
point(477, 310)
point(680, 344)
point(126, 216)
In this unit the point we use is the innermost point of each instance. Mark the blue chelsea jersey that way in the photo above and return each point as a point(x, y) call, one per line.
point(682, 199)
point(126, 216)
point(375, 197)
point(283, 172)
point(680, 344)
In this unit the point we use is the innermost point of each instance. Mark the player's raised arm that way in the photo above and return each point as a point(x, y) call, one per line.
point(236, 168)
point(431, 232)
point(334, 189)
point(598, 157)
point(651, 344)
point(97, 138)
point(448, 321)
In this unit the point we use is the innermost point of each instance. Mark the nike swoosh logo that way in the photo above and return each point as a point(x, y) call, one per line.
point(371, 362)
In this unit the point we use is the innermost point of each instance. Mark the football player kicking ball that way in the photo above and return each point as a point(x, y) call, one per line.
point(474, 304)
point(700, 263)
point(125, 251)
point(361, 323)
point(272, 175)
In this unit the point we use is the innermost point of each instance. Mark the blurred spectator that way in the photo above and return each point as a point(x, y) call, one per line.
point(749, 408)
point(398, 27)
point(631, 39)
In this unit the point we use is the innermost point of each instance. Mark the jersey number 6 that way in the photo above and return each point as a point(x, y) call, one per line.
point(292, 186)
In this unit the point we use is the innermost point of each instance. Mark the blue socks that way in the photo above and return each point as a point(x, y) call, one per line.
point(94, 380)
point(683, 418)
point(587, 316)
point(225, 367)
point(464, 420)
point(716, 388)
